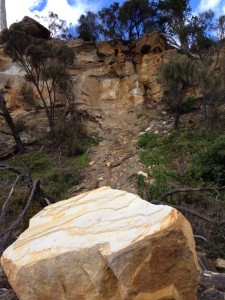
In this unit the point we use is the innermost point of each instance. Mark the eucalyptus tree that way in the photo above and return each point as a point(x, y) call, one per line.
point(112, 26)
point(89, 27)
point(133, 15)
point(46, 65)
point(176, 14)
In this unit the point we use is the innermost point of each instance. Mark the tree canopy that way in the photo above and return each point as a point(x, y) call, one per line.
point(134, 18)
point(177, 76)
point(46, 65)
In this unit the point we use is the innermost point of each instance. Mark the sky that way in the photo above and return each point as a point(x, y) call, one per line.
point(70, 10)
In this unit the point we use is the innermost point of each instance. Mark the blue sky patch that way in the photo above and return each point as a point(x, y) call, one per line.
point(71, 2)
point(39, 6)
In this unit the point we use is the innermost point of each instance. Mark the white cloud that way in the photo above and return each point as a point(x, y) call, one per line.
point(16, 10)
point(210, 4)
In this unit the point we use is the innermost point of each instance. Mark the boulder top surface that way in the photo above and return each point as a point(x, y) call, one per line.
point(110, 218)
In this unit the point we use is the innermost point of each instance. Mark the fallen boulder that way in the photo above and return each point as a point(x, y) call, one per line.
point(101, 245)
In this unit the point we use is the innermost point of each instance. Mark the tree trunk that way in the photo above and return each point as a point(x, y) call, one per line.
point(52, 129)
point(206, 117)
point(177, 118)
point(48, 111)
point(6, 115)
point(3, 22)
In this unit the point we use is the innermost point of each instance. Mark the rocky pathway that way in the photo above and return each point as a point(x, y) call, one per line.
point(115, 161)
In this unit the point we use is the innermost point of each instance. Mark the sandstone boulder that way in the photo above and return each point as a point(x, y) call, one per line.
point(104, 244)
point(31, 27)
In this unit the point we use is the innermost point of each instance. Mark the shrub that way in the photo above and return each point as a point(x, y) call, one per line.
point(162, 181)
point(148, 140)
point(27, 93)
point(177, 76)
point(188, 105)
point(209, 165)
point(69, 134)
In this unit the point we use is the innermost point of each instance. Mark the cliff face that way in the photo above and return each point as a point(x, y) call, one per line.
point(117, 74)
point(110, 79)
point(110, 74)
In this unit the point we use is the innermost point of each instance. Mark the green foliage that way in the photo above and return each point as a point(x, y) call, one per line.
point(200, 27)
point(148, 140)
point(111, 23)
point(80, 161)
point(162, 181)
point(56, 177)
point(28, 96)
point(133, 15)
point(70, 135)
point(177, 8)
point(208, 165)
point(213, 95)
point(45, 64)
point(176, 14)
point(126, 22)
point(89, 27)
point(177, 76)
point(188, 157)
point(162, 153)
point(58, 174)
point(180, 142)
point(180, 71)
point(188, 105)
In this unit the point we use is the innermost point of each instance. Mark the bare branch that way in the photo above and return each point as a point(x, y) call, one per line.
point(193, 213)
point(200, 237)
point(34, 191)
point(6, 133)
point(21, 215)
point(5, 205)
point(17, 170)
point(184, 190)
point(200, 216)
point(183, 209)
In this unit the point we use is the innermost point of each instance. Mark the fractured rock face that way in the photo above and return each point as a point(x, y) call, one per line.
point(104, 244)
point(151, 43)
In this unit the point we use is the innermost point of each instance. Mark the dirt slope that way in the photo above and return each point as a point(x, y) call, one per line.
point(115, 161)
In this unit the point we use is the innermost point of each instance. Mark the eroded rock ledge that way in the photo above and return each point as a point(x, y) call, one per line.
point(104, 244)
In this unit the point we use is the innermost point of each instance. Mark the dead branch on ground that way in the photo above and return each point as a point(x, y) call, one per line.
point(22, 178)
point(213, 222)
point(188, 189)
